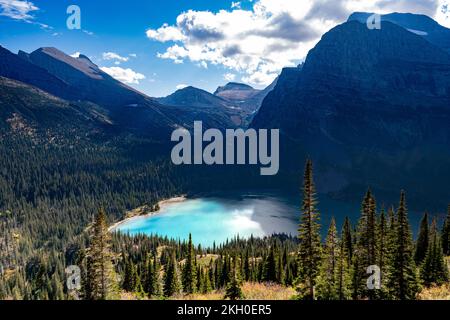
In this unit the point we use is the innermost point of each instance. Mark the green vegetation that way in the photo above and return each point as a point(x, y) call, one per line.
point(48, 230)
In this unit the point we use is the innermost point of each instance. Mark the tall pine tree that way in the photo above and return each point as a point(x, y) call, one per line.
point(101, 270)
point(309, 254)
point(190, 270)
point(365, 253)
point(326, 282)
point(422, 241)
point(172, 284)
point(402, 277)
point(434, 270)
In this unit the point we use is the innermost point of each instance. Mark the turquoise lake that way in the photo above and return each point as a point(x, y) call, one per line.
point(216, 219)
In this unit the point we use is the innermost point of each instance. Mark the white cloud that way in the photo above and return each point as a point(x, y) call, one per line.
point(229, 77)
point(133, 55)
point(114, 56)
point(75, 55)
point(259, 42)
point(166, 33)
point(235, 5)
point(181, 86)
point(18, 9)
point(127, 76)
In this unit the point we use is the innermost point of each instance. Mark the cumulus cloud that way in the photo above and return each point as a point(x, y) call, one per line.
point(114, 56)
point(75, 54)
point(127, 76)
point(18, 9)
point(273, 34)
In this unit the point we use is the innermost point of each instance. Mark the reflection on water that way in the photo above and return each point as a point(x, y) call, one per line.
point(216, 219)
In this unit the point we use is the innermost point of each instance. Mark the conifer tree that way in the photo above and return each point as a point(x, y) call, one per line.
point(402, 279)
point(190, 270)
point(151, 283)
point(246, 263)
point(326, 282)
point(343, 270)
point(270, 266)
point(130, 277)
point(365, 253)
point(156, 276)
point(422, 241)
point(234, 290)
point(347, 239)
point(434, 270)
point(309, 254)
point(446, 234)
point(383, 238)
point(101, 269)
point(172, 284)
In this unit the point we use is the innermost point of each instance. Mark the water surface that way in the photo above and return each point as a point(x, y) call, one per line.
point(216, 219)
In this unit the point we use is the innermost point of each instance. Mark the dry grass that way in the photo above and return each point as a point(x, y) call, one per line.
point(436, 293)
point(252, 291)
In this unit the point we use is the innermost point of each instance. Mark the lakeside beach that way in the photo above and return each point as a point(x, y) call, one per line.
point(162, 205)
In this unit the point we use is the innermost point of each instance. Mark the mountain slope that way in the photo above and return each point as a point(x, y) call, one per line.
point(419, 24)
point(244, 96)
point(204, 104)
point(31, 112)
point(20, 69)
point(372, 107)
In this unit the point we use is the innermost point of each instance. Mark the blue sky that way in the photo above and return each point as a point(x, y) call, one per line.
point(159, 45)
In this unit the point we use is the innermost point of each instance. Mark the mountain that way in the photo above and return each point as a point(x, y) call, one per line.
point(31, 112)
point(372, 108)
point(200, 103)
point(244, 96)
point(79, 79)
point(194, 97)
point(21, 69)
point(419, 24)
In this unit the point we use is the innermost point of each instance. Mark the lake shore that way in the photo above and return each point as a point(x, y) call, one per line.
point(133, 213)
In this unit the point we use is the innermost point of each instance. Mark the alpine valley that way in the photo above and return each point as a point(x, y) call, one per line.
point(82, 151)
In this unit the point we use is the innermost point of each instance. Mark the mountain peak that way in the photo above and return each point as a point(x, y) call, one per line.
point(43, 56)
point(233, 86)
point(418, 24)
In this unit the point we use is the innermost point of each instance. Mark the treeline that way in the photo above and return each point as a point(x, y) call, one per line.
point(373, 259)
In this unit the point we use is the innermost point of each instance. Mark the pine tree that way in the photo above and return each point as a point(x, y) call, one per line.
point(434, 270)
point(156, 276)
point(422, 241)
point(446, 234)
point(247, 270)
point(151, 280)
point(402, 279)
point(365, 253)
point(172, 283)
point(343, 269)
point(347, 239)
point(234, 290)
point(270, 266)
point(101, 269)
point(190, 270)
point(326, 282)
point(383, 251)
point(309, 254)
point(130, 277)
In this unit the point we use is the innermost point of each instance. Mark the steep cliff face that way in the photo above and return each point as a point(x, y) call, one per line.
point(366, 104)
point(416, 23)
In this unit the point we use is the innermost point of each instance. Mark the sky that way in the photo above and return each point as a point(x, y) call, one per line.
point(159, 46)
